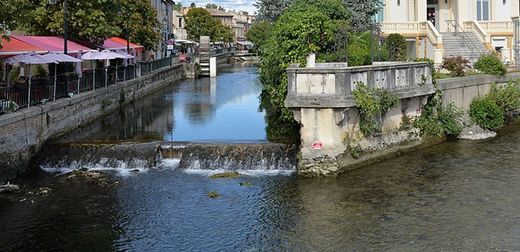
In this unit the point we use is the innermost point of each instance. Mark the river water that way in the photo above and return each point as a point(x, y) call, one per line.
point(456, 196)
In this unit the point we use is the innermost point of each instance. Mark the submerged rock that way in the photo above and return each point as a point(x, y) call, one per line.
point(233, 174)
point(9, 188)
point(213, 194)
point(93, 177)
point(43, 191)
point(475, 132)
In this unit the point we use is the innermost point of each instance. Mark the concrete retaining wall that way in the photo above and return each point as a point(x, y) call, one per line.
point(461, 91)
point(23, 133)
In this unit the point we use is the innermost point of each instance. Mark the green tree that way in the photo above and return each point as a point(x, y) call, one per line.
point(395, 44)
point(303, 29)
point(199, 22)
point(270, 10)
point(192, 5)
point(362, 13)
point(143, 25)
point(178, 6)
point(89, 20)
point(259, 33)
point(8, 15)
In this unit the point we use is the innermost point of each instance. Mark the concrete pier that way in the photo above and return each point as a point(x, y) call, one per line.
point(320, 96)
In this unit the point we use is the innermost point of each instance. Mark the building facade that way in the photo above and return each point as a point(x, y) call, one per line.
point(429, 25)
point(164, 10)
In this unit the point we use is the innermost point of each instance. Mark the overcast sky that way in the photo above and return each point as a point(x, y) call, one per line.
point(244, 5)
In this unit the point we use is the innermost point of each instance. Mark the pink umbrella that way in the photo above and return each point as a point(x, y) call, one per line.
point(29, 59)
point(59, 58)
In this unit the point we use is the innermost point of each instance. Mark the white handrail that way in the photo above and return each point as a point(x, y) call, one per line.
point(478, 30)
point(432, 33)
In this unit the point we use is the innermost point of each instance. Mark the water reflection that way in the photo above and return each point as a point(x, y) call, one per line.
point(218, 109)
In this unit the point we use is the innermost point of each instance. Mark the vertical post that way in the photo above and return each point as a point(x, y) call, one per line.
point(65, 51)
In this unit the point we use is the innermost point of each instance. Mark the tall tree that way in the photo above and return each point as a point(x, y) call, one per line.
point(270, 10)
point(8, 15)
point(88, 20)
point(199, 22)
point(141, 19)
point(362, 13)
point(259, 33)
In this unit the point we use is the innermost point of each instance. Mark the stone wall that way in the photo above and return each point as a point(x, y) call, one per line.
point(23, 133)
point(461, 91)
point(321, 99)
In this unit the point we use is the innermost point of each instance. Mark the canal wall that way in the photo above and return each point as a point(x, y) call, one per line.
point(24, 132)
point(320, 97)
point(462, 90)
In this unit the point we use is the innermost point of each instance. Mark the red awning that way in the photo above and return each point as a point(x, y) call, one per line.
point(15, 46)
point(52, 44)
point(120, 44)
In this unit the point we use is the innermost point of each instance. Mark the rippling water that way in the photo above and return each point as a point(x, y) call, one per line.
point(457, 196)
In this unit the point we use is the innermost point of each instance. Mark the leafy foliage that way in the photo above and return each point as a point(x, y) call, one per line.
point(270, 10)
point(490, 64)
point(8, 16)
point(143, 26)
point(259, 33)
point(301, 30)
point(199, 22)
point(456, 65)
point(92, 20)
point(507, 97)
point(362, 13)
point(89, 20)
point(371, 103)
point(395, 44)
point(486, 113)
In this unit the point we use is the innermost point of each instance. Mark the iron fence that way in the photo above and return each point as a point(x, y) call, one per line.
point(16, 96)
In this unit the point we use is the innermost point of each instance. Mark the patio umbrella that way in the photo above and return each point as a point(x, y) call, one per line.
point(103, 55)
point(78, 69)
point(59, 58)
point(29, 59)
point(125, 56)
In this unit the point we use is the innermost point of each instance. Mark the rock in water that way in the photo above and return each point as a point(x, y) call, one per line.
point(9, 188)
point(475, 132)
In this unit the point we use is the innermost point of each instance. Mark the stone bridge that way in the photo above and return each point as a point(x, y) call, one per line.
point(320, 96)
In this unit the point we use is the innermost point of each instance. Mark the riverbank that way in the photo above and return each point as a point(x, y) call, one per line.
point(24, 132)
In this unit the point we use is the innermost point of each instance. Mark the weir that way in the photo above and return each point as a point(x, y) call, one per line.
point(320, 96)
point(193, 156)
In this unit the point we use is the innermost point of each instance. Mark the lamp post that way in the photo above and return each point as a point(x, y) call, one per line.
point(54, 2)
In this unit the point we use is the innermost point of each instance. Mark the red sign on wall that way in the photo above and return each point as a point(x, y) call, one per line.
point(317, 145)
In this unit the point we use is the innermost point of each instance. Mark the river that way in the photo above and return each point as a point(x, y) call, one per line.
point(456, 196)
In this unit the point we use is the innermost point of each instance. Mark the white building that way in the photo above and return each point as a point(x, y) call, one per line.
point(443, 28)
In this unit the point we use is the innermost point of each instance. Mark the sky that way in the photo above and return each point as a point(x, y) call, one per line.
point(244, 5)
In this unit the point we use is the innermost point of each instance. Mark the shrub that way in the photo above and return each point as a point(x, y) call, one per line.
point(490, 64)
point(486, 113)
point(437, 121)
point(372, 102)
point(507, 97)
point(395, 44)
point(455, 65)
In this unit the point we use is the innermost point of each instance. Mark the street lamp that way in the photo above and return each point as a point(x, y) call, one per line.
point(55, 2)
point(127, 32)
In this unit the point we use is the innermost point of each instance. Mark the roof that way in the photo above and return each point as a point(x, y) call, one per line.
point(15, 46)
point(52, 44)
point(119, 43)
point(219, 13)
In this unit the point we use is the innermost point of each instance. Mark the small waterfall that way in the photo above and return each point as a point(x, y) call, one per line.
point(182, 155)
point(123, 156)
point(267, 156)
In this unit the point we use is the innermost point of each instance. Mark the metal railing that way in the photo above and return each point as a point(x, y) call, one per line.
point(16, 95)
point(466, 40)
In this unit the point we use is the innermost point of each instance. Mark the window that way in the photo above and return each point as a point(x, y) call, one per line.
point(180, 22)
point(482, 10)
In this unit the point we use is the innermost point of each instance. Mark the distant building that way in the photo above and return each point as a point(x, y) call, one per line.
point(238, 21)
point(430, 26)
point(164, 10)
